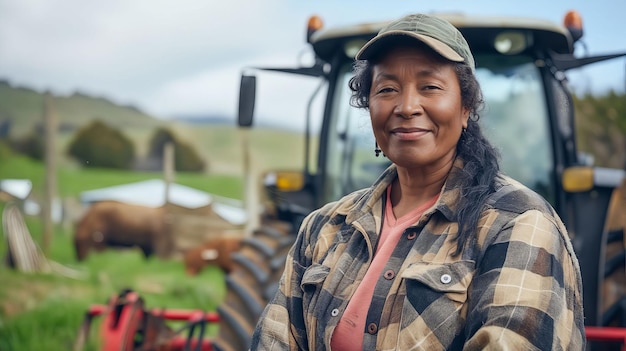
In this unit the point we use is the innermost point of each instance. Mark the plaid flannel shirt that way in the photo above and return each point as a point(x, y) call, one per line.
point(516, 285)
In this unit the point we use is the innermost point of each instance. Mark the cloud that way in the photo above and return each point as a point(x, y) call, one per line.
point(127, 50)
point(281, 97)
point(194, 95)
point(185, 57)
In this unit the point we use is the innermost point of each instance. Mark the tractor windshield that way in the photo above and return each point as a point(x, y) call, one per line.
point(514, 118)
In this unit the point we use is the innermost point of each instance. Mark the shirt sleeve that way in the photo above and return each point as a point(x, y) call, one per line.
point(527, 289)
point(281, 325)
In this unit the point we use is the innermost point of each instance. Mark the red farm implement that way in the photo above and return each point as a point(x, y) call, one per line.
point(128, 326)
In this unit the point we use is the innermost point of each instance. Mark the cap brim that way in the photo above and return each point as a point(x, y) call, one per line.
point(372, 48)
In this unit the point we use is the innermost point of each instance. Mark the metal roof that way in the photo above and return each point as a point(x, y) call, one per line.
point(151, 193)
point(18, 188)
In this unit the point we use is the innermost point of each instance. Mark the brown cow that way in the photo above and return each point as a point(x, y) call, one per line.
point(213, 252)
point(116, 224)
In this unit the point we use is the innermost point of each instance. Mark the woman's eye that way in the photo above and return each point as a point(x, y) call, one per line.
point(431, 87)
point(385, 90)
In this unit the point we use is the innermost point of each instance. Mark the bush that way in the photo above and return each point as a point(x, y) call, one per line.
point(98, 145)
point(5, 150)
point(186, 159)
point(158, 141)
point(31, 145)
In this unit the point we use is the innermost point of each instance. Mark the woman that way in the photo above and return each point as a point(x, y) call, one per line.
point(442, 252)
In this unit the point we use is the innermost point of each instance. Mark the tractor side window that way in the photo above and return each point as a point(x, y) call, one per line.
point(600, 111)
point(516, 121)
point(350, 160)
point(278, 138)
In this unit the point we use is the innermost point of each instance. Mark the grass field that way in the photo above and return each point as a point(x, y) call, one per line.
point(44, 311)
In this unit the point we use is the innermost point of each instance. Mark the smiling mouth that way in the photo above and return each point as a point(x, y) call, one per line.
point(409, 133)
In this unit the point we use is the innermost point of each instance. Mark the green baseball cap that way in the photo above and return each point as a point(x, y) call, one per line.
point(439, 34)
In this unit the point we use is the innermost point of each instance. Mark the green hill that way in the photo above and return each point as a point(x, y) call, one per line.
point(23, 108)
point(218, 144)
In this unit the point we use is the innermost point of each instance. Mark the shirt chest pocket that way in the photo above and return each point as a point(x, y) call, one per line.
point(442, 287)
point(312, 281)
point(313, 276)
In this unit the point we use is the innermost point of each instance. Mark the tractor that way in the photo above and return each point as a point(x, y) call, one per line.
point(521, 66)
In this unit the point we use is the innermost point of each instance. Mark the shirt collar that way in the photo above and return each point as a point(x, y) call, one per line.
point(371, 200)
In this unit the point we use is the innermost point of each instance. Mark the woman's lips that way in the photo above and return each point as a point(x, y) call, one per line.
point(409, 133)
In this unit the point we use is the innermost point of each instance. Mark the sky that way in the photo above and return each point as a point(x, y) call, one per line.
point(184, 58)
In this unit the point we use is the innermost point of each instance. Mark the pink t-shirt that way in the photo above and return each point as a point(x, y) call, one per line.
point(348, 334)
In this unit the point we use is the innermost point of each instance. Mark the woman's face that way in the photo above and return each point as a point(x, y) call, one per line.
point(416, 109)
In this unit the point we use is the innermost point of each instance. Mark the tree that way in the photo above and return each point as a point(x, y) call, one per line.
point(161, 137)
point(98, 145)
point(185, 156)
point(601, 128)
point(187, 159)
point(31, 145)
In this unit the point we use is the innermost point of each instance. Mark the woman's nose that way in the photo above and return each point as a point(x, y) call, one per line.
point(409, 104)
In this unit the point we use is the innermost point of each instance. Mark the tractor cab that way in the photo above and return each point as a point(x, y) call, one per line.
point(521, 65)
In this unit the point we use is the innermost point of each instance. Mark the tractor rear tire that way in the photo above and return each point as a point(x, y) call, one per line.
point(253, 281)
point(613, 288)
point(614, 283)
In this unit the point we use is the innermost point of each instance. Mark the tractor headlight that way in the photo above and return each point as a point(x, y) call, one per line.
point(511, 42)
point(352, 47)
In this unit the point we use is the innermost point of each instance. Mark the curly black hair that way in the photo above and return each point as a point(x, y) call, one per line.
point(480, 158)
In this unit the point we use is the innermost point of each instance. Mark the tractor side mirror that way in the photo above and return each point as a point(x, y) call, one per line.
point(247, 95)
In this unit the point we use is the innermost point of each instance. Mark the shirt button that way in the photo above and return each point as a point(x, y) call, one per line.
point(372, 328)
point(389, 274)
point(334, 312)
point(411, 235)
point(446, 278)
